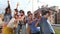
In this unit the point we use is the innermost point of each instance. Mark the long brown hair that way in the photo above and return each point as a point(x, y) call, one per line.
point(7, 10)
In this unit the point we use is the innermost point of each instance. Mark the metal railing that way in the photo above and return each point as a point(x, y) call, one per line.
point(57, 25)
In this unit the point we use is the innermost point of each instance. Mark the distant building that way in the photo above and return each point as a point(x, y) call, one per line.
point(37, 12)
point(51, 18)
point(58, 17)
point(55, 18)
point(55, 9)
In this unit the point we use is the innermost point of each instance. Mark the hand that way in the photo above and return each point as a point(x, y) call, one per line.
point(17, 5)
point(8, 1)
point(21, 18)
point(15, 22)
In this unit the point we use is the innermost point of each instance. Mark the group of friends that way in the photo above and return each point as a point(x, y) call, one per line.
point(31, 24)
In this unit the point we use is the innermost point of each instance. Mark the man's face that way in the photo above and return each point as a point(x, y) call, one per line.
point(28, 13)
point(30, 16)
point(48, 14)
point(21, 14)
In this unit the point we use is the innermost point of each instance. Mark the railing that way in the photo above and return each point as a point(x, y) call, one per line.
point(57, 25)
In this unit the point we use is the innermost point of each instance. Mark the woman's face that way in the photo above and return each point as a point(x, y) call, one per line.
point(30, 16)
point(8, 11)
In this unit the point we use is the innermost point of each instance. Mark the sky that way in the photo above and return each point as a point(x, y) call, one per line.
point(27, 5)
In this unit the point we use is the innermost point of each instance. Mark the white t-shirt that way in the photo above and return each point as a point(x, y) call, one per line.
point(11, 23)
point(51, 28)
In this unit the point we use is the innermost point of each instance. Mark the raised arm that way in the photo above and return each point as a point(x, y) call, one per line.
point(17, 5)
point(8, 3)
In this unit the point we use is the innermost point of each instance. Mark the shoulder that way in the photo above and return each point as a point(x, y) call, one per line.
point(12, 19)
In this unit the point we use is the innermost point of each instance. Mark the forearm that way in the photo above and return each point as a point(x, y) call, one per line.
point(8, 4)
point(36, 24)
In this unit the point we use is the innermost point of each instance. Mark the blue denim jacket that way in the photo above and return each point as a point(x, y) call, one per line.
point(33, 27)
point(45, 28)
point(7, 18)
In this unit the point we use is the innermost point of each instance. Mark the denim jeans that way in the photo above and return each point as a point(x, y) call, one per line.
point(15, 30)
point(18, 29)
point(24, 29)
point(35, 33)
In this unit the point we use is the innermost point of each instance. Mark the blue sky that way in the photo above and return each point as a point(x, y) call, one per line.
point(26, 5)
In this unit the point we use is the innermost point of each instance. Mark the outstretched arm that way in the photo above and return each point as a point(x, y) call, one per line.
point(17, 5)
point(8, 4)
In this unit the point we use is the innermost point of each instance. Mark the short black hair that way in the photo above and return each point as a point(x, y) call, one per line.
point(16, 10)
point(21, 11)
point(28, 12)
point(45, 12)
